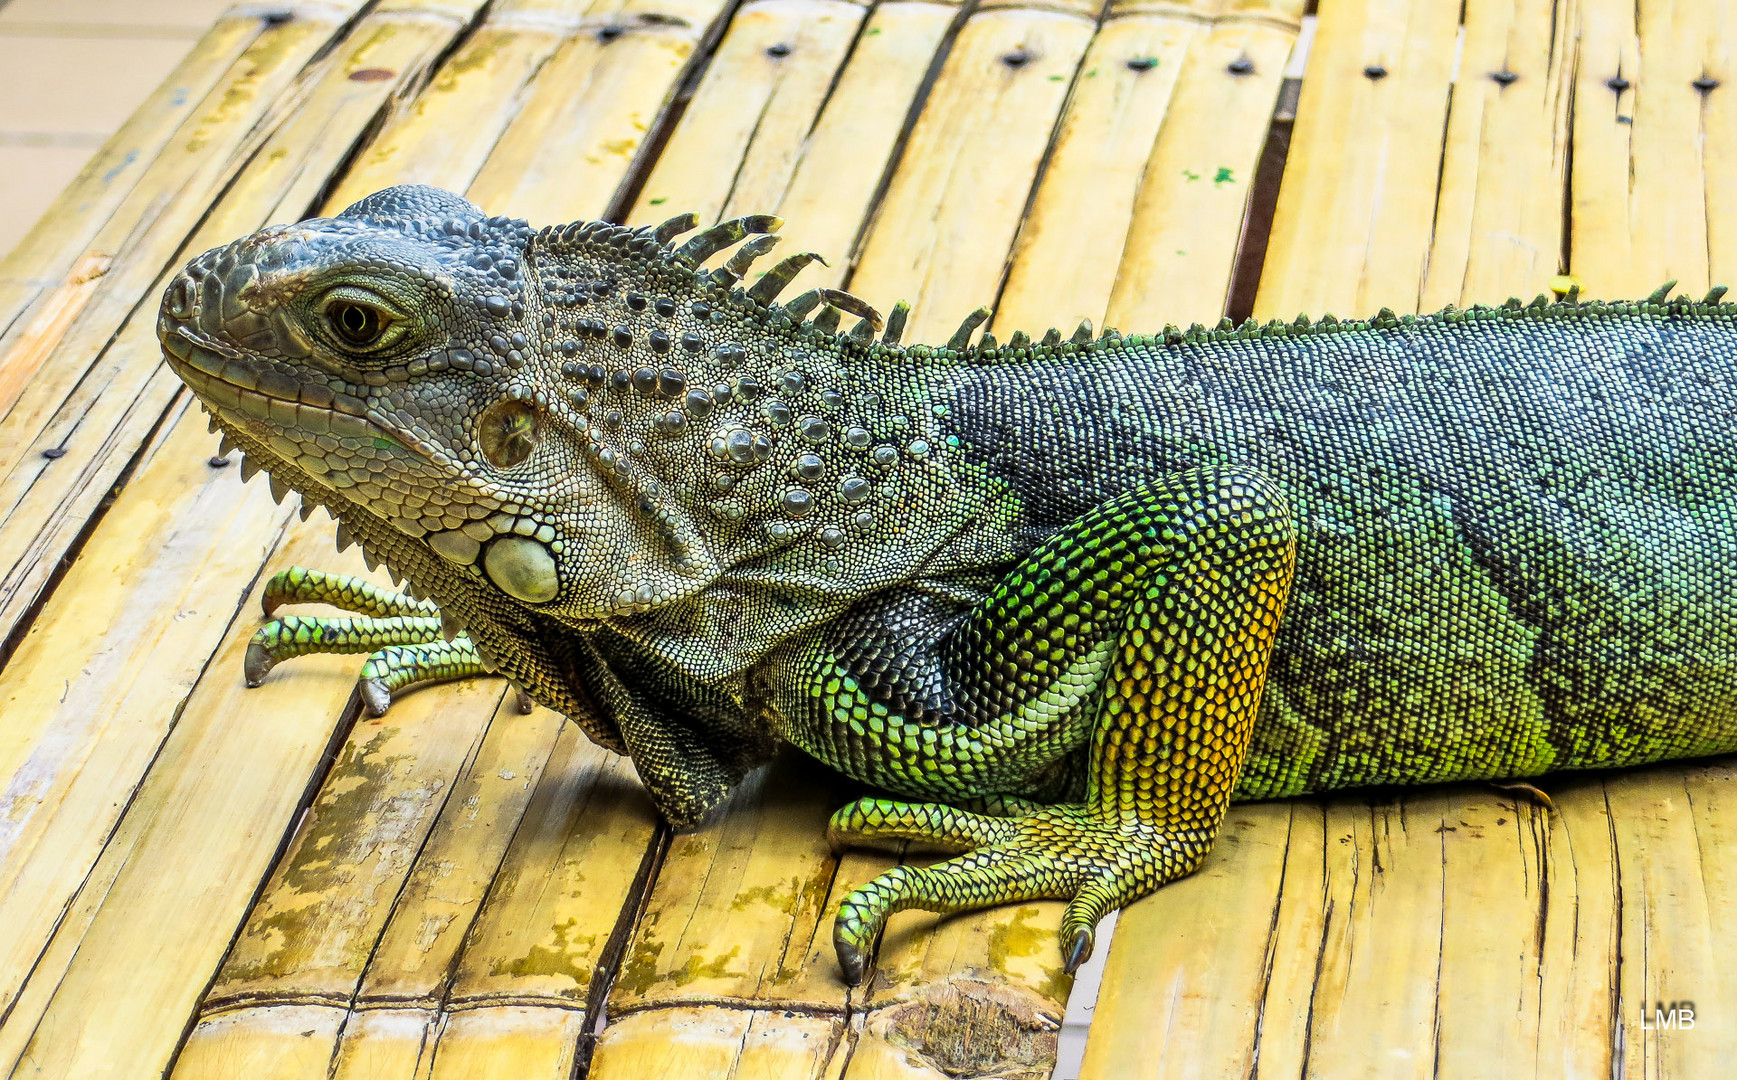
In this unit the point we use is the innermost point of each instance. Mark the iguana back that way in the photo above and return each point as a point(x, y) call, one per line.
point(1518, 534)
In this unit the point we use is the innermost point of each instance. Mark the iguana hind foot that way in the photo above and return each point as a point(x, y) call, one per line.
point(1060, 852)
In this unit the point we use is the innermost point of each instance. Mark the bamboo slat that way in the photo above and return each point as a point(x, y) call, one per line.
point(942, 234)
point(444, 135)
point(1200, 174)
point(111, 991)
point(1351, 232)
point(585, 117)
point(1498, 220)
point(1642, 210)
point(738, 140)
point(314, 929)
point(857, 136)
point(58, 241)
point(1065, 261)
point(89, 696)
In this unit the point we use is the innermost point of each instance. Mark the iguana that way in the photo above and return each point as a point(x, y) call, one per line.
point(1070, 597)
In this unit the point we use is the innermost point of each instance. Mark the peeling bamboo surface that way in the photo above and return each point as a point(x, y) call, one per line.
point(206, 881)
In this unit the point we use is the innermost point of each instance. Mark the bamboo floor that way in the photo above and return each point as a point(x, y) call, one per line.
point(199, 881)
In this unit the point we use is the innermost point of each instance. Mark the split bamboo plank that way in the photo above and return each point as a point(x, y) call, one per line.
point(230, 1046)
point(714, 1041)
point(113, 387)
point(941, 237)
point(1200, 174)
point(842, 162)
point(1718, 134)
point(547, 923)
point(738, 902)
point(509, 1042)
point(1182, 989)
point(89, 696)
point(384, 1044)
point(1578, 954)
point(1499, 220)
point(1065, 260)
point(1647, 155)
point(111, 992)
point(1669, 953)
point(1603, 132)
point(585, 117)
point(738, 140)
point(1489, 975)
point(1351, 231)
point(312, 932)
point(59, 240)
point(413, 959)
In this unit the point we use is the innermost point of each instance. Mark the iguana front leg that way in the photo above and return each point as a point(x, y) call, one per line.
point(1144, 630)
point(401, 634)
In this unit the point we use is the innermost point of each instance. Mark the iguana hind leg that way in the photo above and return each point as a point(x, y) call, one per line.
point(401, 635)
point(1186, 581)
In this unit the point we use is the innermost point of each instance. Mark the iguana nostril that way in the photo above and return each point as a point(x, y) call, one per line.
point(183, 298)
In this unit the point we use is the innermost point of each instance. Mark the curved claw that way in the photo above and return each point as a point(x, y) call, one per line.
point(376, 696)
point(851, 960)
point(1080, 951)
point(258, 662)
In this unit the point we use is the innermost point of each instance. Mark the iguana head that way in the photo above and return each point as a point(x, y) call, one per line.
point(578, 418)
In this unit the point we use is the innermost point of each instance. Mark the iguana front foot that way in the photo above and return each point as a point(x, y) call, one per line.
point(1060, 852)
point(402, 636)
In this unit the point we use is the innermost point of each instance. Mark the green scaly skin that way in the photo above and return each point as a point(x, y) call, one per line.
point(1068, 599)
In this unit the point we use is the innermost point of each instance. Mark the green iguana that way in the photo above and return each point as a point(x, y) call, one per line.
point(1037, 587)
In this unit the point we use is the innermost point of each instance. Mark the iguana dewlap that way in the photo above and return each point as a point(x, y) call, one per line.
point(1038, 588)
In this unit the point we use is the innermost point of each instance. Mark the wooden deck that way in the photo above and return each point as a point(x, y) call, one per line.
point(203, 881)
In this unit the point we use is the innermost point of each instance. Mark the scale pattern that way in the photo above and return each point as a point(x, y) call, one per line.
point(1064, 599)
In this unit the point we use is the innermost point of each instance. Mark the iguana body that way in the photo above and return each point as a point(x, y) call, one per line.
point(1041, 584)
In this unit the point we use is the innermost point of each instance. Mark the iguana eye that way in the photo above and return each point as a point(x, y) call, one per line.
point(507, 432)
point(355, 324)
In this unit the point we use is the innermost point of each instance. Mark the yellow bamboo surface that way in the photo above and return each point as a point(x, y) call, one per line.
point(204, 881)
